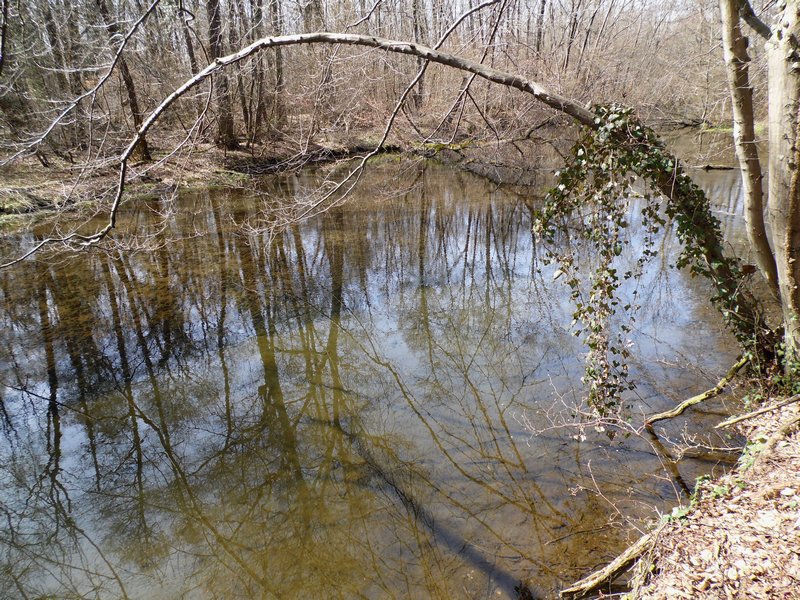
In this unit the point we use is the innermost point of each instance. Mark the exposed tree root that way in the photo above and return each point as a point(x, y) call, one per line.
point(715, 391)
point(586, 586)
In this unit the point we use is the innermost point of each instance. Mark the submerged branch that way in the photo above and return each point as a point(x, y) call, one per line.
point(715, 391)
point(607, 574)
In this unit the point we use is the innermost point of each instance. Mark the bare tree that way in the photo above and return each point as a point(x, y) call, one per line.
point(226, 134)
point(125, 73)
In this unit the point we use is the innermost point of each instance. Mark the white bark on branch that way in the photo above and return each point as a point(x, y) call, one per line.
point(540, 92)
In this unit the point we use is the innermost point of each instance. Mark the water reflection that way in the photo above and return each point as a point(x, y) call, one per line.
point(334, 411)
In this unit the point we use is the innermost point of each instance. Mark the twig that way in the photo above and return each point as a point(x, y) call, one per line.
point(760, 411)
point(715, 391)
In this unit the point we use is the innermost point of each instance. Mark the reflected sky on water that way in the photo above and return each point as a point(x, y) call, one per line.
point(362, 405)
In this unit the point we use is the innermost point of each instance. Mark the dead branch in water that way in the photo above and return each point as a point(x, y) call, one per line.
point(715, 391)
point(624, 561)
point(760, 411)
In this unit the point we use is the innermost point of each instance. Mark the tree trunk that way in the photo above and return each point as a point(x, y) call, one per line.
point(226, 136)
point(420, 27)
point(127, 79)
point(734, 46)
point(540, 26)
point(277, 26)
point(187, 38)
point(68, 79)
point(313, 16)
point(240, 88)
point(784, 185)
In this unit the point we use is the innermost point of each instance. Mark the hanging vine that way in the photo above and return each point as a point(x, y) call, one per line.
point(589, 202)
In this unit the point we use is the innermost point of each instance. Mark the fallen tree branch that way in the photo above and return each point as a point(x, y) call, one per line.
point(624, 561)
point(715, 391)
point(760, 411)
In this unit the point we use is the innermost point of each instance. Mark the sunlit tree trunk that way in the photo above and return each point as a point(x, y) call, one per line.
point(734, 46)
point(784, 174)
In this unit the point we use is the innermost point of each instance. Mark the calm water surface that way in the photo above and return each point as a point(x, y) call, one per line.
point(361, 406)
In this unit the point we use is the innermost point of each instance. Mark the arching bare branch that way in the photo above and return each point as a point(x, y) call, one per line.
point(540, 92)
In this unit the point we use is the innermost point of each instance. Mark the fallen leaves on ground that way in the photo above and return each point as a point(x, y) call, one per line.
point(741, 539)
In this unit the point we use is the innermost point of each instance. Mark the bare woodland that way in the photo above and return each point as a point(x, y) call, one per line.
point(116, 62)
point(116, 88)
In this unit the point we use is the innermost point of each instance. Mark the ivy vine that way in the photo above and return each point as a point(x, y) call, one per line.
point(589, 201)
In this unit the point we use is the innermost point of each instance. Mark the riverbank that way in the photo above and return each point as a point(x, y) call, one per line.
point(30, 188)
point(737, 537)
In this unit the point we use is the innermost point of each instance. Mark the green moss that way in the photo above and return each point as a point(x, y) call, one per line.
point(436, 147)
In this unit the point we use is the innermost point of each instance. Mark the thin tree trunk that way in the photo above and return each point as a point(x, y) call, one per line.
point(68, 80)
point(239, 79)
point(419, 26)
point(226, 136)
point(277, 27)
point(734, 46)
point(127, 78)
point(3, 33)
point(257, 110)
point(187, 38)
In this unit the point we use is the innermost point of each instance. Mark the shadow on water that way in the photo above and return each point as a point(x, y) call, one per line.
point(366, 404)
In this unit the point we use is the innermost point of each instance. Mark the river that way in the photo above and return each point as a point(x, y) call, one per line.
point(376, 402)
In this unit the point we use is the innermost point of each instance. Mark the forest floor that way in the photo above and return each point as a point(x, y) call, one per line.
point(740, 535)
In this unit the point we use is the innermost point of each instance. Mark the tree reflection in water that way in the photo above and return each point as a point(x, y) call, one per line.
point(333, 411)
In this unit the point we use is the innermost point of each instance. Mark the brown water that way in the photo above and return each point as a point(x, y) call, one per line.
point(365, 405)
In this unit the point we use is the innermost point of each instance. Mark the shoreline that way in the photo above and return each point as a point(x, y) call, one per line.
point(737, 535)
